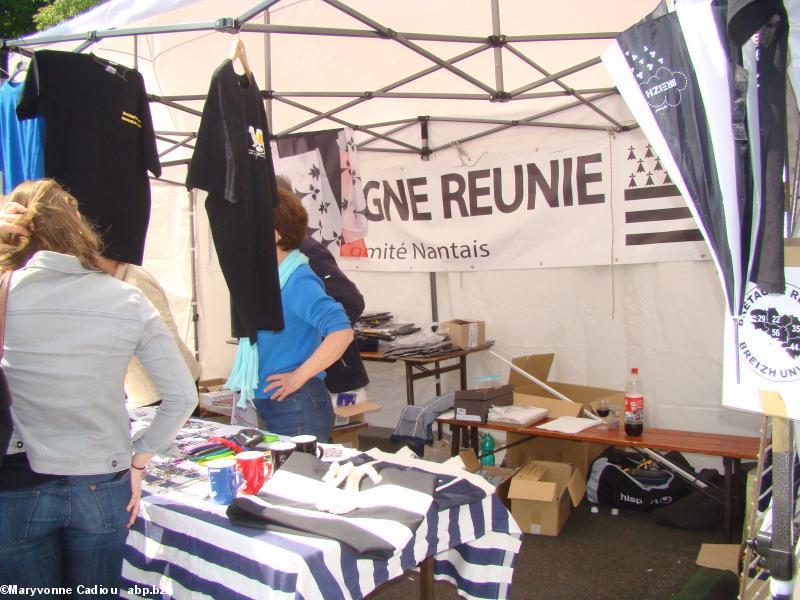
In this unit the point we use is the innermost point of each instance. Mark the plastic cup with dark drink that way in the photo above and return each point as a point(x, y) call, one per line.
point(603, 410)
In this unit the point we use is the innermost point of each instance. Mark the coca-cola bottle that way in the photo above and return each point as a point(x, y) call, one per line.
point(634, 405)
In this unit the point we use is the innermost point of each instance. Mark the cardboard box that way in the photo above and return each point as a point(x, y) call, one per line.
point(211, 385)
point(724, 557)
point(343, 431)
point(473, 405)
point(352, 413)
point(499, 477)
point(347, 435)
point(541, 493)
point(438, 451)
point(527, 393)
point(465, 333)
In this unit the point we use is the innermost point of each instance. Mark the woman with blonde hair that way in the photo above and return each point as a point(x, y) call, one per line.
point(71, 482)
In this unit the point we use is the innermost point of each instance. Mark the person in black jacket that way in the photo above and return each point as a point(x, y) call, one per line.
point(348, 373)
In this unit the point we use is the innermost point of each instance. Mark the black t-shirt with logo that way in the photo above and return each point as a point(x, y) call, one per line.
point(99, 141)
point(233, 163)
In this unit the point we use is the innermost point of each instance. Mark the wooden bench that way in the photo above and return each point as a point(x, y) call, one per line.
point(732, 448)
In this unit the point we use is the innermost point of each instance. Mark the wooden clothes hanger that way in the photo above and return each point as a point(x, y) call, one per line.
point(239, 53)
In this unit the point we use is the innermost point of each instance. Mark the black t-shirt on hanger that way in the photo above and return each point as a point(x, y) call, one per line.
point(99, 141)
point(233, 163)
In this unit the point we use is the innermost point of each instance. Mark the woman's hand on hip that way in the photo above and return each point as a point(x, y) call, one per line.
point(284, 384)
point(138, 464)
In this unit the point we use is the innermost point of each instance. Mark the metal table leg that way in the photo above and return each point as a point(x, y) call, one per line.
point(728, 518)
point(455, 440)
point(409, 383)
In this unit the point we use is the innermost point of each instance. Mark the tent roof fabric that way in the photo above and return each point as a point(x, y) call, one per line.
point(389, 70)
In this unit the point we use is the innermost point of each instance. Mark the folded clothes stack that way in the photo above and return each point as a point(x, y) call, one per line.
point(420, 343)
point(516, 415)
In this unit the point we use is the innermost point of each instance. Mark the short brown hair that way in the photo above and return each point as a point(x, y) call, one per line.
point(289, 218)
point(53, 223)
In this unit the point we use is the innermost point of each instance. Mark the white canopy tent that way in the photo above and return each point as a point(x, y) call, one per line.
point(481, 77)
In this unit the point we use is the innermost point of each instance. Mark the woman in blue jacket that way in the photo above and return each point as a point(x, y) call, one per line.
point(292, 362)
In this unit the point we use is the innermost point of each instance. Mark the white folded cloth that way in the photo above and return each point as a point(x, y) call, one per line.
point(516, 415)
point(569, 424)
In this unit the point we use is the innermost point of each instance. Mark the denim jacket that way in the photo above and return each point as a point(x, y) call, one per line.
point(70, 334)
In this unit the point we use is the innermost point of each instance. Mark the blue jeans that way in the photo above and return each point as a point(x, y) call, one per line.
point(69, 532)
point(307, 411)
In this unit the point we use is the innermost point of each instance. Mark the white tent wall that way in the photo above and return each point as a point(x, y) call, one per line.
point(665, 318)
point(168, 252)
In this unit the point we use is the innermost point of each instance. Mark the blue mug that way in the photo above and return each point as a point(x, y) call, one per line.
point(225, 479)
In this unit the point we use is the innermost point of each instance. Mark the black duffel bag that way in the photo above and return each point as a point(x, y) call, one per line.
point(618, 481)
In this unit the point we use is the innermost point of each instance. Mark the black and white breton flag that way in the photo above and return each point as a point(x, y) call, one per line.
point(655, 212)
point(387, 516)
point(674, 73)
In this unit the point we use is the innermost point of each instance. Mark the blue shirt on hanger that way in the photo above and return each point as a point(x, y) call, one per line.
point(21, 142)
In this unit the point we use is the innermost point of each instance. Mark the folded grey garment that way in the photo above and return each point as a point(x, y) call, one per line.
point(428, 351)
point(288, 502)
point(420, 338)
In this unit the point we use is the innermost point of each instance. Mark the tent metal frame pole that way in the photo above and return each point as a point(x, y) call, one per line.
point(357, 33)
point(409, 121)
point(563, 37)
point(164, 132)
point(564, 107)
point(390, 132)
point(184, 97)
point(175, 145)
point(582, 92)
point(394, 95)
point(90, 42)
point(499, 41)
point(174, 163)
point(112, 33)
point(345, 123)
point(423, 95)
point(563, 86)
point(175, 105)
point(520, 123)
point(268, 69)
point(563, 73)
point(517, 123)
point(528, 121)
point(400, 95)
point(388, 150)
point(391, 86)
point(261, 7)
point(397, 37)
point(242, 25)
point(193, 244)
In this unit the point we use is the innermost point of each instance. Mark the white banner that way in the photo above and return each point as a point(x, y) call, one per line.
point(607, 202)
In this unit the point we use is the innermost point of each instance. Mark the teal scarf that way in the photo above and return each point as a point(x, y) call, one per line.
point(244, 373)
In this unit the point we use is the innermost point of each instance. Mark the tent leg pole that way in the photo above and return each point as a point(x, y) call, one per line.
point(268, 69)
point(193, 245)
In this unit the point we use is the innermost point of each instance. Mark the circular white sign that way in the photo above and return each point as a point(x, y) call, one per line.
point(769, 334)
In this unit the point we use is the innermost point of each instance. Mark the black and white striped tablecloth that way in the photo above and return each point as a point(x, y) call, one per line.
point(188, 548)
